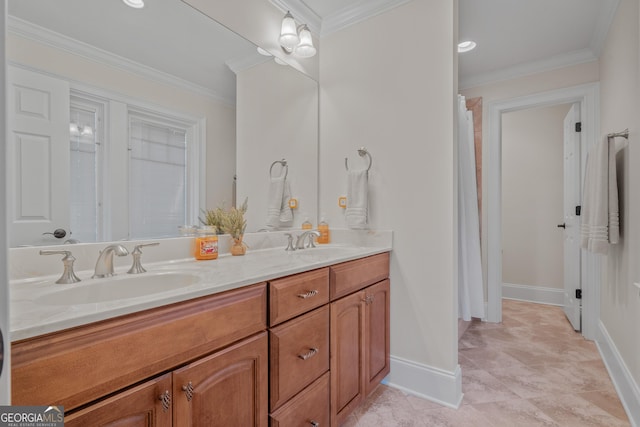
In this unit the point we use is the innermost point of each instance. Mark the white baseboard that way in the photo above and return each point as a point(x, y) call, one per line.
point(537, 294)
point(434, 384)
point(627, 388)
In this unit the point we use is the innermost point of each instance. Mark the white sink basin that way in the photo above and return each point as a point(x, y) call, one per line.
point(120, 287)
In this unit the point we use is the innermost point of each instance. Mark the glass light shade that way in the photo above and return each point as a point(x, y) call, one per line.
point(305, 49)
point(87, 131)
point(73, 129)
point(137, 4)
point(466, 46)
point(289, 33)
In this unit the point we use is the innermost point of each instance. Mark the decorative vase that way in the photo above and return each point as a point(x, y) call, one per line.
point(238, 247)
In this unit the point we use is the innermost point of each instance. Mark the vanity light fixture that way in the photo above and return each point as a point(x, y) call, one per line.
point(466, 46)
point(296, 39)
point(136, 4)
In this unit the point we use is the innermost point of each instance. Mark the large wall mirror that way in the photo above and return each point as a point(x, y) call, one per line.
point(125, 123)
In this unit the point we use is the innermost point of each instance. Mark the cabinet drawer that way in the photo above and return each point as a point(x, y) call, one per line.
point(299, 353)
point(354, 275)
point(294, 295)
point(310, 406)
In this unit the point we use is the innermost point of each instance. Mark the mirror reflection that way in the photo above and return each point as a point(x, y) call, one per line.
point(123, 124)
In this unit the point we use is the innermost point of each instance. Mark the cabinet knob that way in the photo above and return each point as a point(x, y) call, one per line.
point(314, 423)
point(165, 398)
point(308, 294)
point(368, 299)
point(188, 391)
point(312, 352)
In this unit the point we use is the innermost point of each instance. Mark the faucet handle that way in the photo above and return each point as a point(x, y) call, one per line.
point(68, 276)
point(290, 246)
point(136, 267)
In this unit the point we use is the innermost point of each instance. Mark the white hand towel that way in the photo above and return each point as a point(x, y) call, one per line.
point(274, 202)
point(600, 210)
point(357, 199)
point(286, 214)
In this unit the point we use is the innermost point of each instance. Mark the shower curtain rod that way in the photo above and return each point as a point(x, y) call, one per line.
point(624, 134)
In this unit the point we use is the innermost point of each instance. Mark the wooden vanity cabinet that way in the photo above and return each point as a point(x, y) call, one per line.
point(359, 332)
point(217, 343)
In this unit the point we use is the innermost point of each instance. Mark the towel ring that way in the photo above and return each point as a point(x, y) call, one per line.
point(283, 162)
point(361, 152)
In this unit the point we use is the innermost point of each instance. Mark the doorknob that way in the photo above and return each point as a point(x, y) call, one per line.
point(563, 225)
point(58, 233)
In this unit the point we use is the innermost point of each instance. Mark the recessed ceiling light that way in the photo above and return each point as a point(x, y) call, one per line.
point(137, 4)
point(466, 46)
point(261, 51)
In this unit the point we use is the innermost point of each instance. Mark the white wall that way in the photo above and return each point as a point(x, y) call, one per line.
point(5, 376)
point(532, 196)
point(509, 89)
point(619, 74)
point(277, 118)
point(399, 102)
point(220, 117)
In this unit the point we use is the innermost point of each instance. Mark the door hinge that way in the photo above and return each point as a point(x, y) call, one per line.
point(578, 210)
point(578, 126)
point(578, 293)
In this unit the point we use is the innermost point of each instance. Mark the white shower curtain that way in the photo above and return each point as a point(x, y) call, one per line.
point(470, 289)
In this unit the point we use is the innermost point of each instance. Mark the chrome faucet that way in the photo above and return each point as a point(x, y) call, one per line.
point(104, 265)
point(303, 236)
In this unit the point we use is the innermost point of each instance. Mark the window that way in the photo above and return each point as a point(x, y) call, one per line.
point(157, 176)
point(86, 133)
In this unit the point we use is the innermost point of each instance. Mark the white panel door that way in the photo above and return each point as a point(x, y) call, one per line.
point(38, 156)
point(571, 224)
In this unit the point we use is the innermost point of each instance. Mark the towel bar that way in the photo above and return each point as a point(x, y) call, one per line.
point(362, 151)
point(283, 162)
point(623, 134)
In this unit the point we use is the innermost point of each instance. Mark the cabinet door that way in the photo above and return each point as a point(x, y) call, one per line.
point(377, 334)
point(228, 388)
point(347, 344)
point(142, 406)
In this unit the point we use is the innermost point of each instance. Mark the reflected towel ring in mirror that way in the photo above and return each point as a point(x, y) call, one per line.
point(362, 151)
point(285, 167)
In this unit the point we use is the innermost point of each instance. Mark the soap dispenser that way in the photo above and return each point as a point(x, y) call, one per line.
point(306, 225)
point(323, 228)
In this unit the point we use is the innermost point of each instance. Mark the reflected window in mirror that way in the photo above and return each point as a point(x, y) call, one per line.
point(158, 176)
point(86, 134)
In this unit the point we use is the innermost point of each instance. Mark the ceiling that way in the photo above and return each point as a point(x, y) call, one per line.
point(515, 37)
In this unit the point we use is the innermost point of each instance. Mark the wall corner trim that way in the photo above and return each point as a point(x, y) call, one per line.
point(627, 388)
point(437, 385)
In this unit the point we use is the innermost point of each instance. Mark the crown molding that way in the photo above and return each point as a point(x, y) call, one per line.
point(559, 61)
point(58, 41)
point(357, 12)
point(301, 13)
point(338, 20)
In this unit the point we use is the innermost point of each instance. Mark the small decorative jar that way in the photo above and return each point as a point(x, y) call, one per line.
point(206, 243)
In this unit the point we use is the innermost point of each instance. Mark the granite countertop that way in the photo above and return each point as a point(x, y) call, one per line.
point(37, 307)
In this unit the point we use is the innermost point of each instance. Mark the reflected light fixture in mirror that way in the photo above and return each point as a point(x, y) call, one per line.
point(136, 4)
point(296, 39)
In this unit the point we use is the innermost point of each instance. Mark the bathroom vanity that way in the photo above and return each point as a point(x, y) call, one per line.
point(297, 349)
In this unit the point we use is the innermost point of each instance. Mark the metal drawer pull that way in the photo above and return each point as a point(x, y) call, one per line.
point(368, 299)
point(314, 423)
point(165, 398)
point(308, 294)
point(188, 390)
point(312, 352)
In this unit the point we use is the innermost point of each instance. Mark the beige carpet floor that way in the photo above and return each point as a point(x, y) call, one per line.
point(533, 369)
